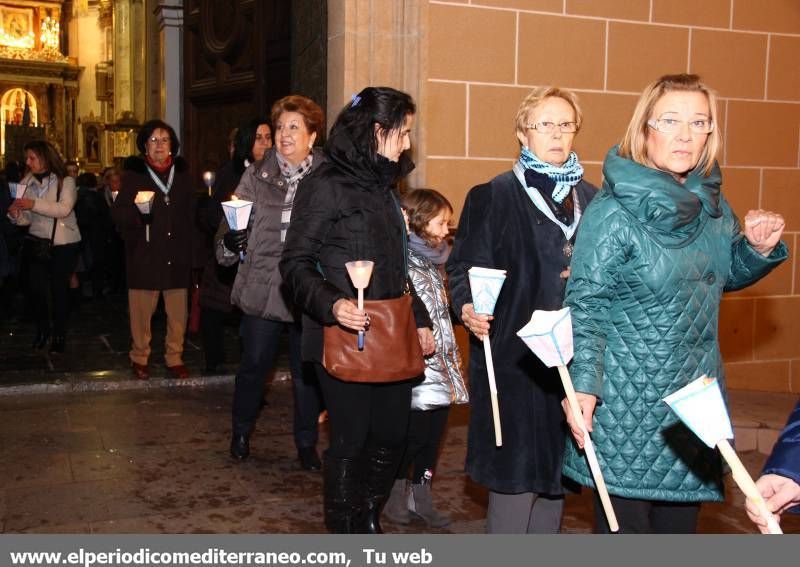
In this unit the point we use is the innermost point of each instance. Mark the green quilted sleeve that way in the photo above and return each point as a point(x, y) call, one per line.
point(601, 250)
point(747, 265)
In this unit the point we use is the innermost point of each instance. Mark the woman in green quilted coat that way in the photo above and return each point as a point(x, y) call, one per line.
point(657, 248)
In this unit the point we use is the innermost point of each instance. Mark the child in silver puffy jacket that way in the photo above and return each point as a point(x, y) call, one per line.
point(428, 215)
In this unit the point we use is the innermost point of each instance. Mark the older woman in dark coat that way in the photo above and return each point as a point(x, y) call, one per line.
point(161, 265)
point(523, 221)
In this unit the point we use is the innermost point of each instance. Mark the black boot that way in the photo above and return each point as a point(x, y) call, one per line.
point(240, 446)
point(341, 494)
point(380, 466)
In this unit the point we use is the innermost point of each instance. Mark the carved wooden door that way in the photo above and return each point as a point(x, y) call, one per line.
point(237, 63)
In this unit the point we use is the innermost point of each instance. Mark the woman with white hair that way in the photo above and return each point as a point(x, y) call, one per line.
point(523, 221)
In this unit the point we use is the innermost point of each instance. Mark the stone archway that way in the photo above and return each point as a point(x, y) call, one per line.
point(14, 104)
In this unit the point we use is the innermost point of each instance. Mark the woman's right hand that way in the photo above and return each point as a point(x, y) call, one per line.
point(348, 315)
point(587, 402)
point(477, 324)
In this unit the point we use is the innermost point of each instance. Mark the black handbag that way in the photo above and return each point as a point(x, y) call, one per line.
point(38, 249)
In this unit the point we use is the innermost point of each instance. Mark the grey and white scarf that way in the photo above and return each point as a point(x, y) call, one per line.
point(292, 175)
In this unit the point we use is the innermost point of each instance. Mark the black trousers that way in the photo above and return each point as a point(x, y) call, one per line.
point(260, 342)
point(49, 285)
point(648, 516)
point(425, 431)
point(363, 415)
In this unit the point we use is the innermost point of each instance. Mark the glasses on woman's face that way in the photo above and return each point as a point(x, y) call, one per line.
point(550, 127)
point(159, 141)
point(671, 125)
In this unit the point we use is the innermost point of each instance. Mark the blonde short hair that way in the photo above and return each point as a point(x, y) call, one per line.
point(634, 143)
point(537, 96)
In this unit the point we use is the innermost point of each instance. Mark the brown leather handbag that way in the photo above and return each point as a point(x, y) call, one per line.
point(391, 345)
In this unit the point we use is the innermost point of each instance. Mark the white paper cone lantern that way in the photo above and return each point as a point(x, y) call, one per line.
point(144, 201)
point(700, 406)
point(237, 213)
point(549, 336)
point(17, 190)
point(485, 284)
point(114, 195)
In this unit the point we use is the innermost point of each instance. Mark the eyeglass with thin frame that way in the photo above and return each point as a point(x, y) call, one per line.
point(550, 127)
point(157, 141)
point(672, 125)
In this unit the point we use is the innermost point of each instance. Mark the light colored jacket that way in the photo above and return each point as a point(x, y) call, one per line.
point(47, 210)
point(444, 380)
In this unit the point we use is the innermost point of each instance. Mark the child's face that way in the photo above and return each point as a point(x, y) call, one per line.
point(438, 227)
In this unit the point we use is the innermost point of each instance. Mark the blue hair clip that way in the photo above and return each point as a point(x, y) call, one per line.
point(355, 100)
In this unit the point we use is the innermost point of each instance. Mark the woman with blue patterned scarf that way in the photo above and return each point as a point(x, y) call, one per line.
point(523, 221)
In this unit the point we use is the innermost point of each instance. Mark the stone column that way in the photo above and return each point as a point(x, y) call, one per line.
point(379, 43)
point(123, 91)
point(170, 23)
point(138, 59)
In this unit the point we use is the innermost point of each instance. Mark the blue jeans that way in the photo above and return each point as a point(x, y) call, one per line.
point(260, 341)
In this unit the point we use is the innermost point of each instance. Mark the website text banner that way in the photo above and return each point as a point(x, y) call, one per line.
point(394, 550)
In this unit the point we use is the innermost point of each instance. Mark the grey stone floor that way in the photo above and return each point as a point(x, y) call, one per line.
point(102, 453)
point(155, 461)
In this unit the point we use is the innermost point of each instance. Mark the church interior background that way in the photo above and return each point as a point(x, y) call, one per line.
point(85, 74)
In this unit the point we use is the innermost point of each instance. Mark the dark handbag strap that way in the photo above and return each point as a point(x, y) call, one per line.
point(55, 220)
point(404, 231)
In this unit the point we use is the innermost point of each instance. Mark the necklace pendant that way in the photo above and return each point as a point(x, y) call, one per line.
point(166, 199)
point(567, 250)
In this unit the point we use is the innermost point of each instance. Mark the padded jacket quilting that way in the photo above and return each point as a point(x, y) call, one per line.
point(651, 262)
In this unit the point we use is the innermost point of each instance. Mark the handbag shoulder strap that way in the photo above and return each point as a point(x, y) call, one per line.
point(55, 220)
point(404, 232)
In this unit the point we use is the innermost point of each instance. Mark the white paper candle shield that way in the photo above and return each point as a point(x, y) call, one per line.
point(114, 195)
point(485, 284)
point(144, 201)
point(700, 406)
point(17, 190)
point(237, 213)
point(549, 336)
point(360, 271)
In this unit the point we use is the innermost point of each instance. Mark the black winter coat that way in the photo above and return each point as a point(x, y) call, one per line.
point(166, 261)
point(345, 210)
point(501, 228)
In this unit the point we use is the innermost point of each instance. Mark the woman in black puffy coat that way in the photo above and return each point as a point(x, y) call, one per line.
point(348, 210)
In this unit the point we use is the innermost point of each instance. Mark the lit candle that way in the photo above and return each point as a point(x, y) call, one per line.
point(208, 179)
